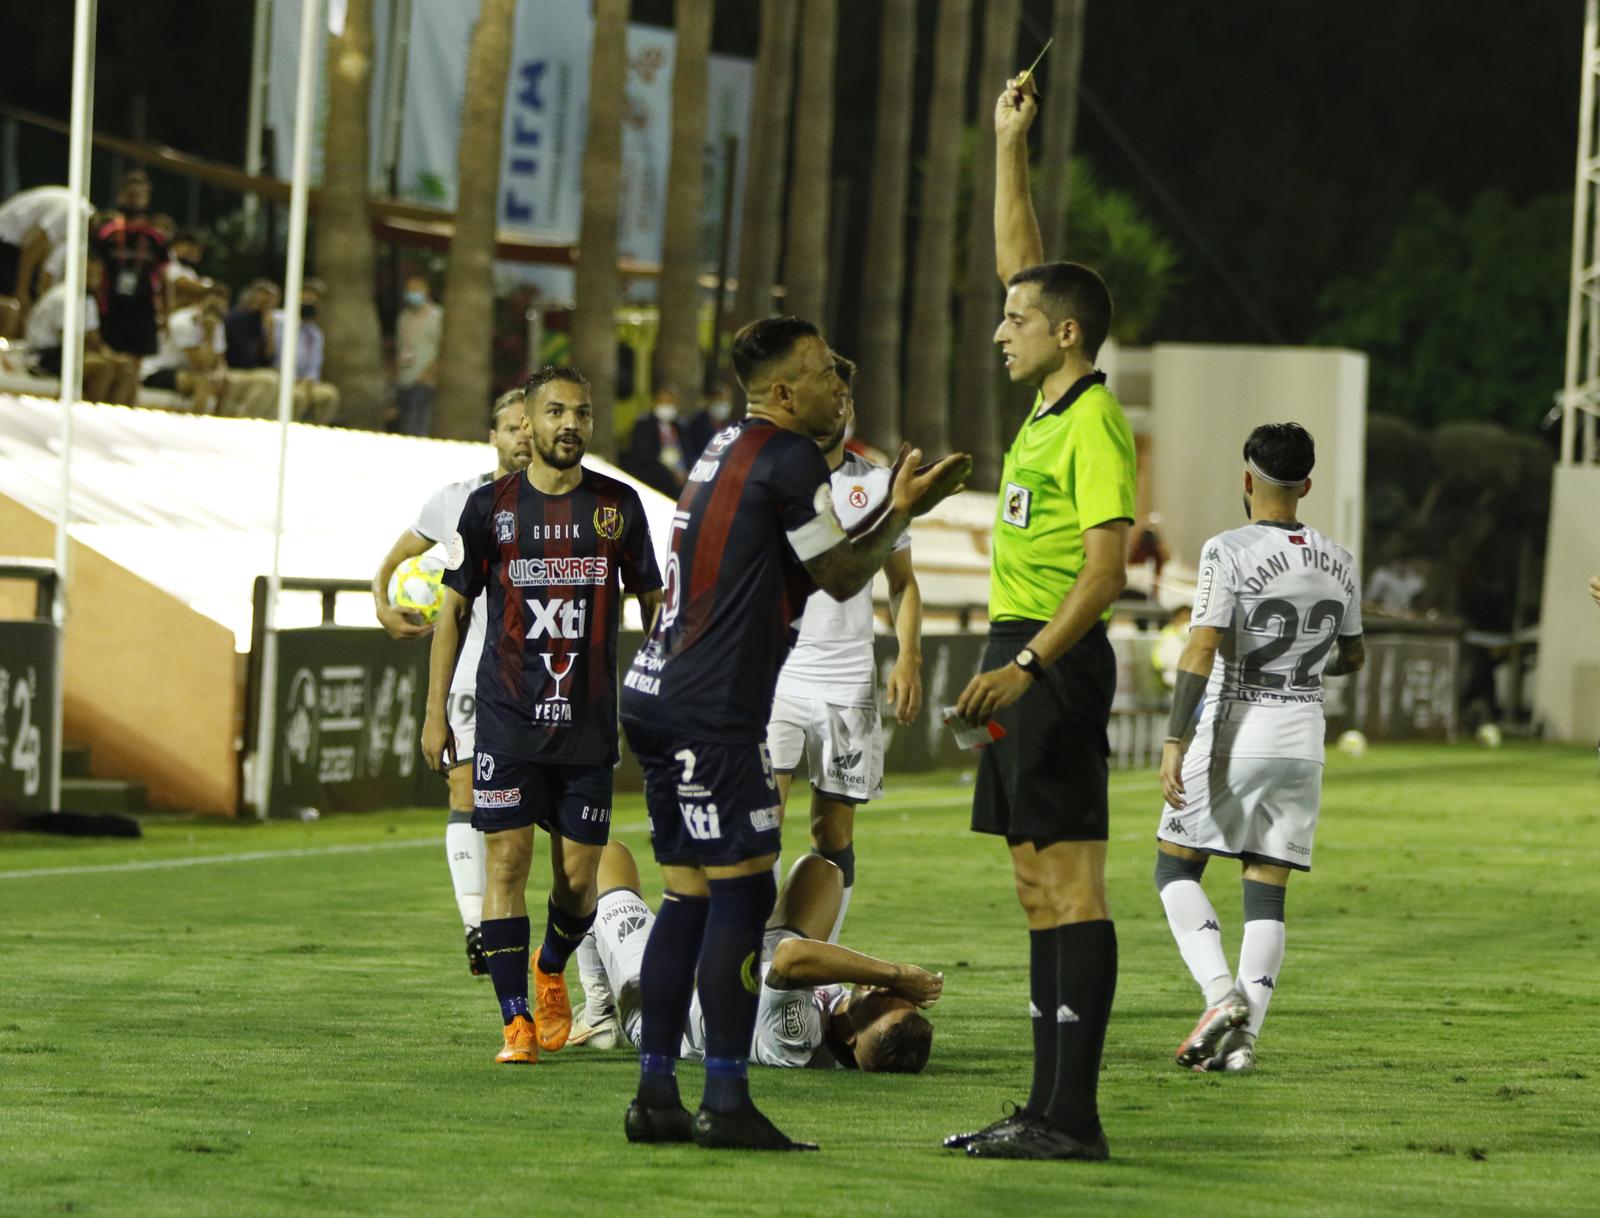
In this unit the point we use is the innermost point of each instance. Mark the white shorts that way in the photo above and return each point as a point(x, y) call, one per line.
point(461, 710)
point(1260, 809)
point(842, 746)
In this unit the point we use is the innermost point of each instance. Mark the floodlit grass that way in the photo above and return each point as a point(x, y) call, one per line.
point(297, 1034)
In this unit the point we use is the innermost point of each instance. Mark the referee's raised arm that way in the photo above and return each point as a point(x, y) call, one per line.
point(1017, 242)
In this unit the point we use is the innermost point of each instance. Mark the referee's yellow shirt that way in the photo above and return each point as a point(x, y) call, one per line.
point(1071, 467)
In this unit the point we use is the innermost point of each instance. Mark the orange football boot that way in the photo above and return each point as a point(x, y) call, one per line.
point(522, 1045)
point(552, 1009)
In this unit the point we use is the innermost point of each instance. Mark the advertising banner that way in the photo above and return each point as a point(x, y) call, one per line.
point(27, 701)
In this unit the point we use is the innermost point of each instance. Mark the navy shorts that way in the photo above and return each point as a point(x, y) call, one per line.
point(710, 805)
point(571, 800)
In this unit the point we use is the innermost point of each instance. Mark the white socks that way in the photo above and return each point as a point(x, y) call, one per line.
point(1199, 937)
point(1260, 958)
point(465, 852)
point(597, 998)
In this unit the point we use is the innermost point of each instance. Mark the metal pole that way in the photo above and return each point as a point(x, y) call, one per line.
point(396, 64)
point(730, 165)
point(288, 354)
point(1582, 222)
point(83, 28)
point(260, 49)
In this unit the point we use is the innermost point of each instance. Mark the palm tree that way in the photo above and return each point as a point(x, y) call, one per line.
point(768, 160)
point(928, 353)
point(678, 341)
point(466, 382)
point(884, 267)
point(594, 325)
point(1053, 184)
point(975, 423)
point(349, 315)
point(805, 260)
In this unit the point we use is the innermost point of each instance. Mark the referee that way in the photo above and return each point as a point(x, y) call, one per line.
point(1060, 540)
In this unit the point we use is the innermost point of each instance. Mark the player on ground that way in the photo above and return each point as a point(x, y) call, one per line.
point(826, 707)
point(436, 524)
point(808, 1013)
point(1059, 561)
point(1274, 600)
point(754, 534)
point(552, 550)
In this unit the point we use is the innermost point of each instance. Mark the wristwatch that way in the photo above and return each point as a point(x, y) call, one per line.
point(1029, 663)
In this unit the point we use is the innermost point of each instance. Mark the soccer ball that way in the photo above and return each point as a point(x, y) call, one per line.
point(1353, 743)
point(1489, 736)
point(414, 587)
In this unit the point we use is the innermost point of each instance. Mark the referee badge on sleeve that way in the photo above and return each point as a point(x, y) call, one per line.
point(1018, 505)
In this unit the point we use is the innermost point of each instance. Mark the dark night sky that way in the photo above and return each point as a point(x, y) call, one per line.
point(1292, 134)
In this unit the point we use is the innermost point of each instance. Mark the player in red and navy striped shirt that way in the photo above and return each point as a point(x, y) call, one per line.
point(553, 548)
point(755, 533)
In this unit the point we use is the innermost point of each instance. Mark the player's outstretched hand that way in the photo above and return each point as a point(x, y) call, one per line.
point(917, 984)
point(919, 490)
point(400, 624)
point(1172, 774)
point(435, 738)
point(1594, 589)
point(1015, 111)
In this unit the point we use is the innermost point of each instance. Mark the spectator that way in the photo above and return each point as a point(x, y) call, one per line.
point(192, 360)
point(416, 375)
point(107, 375)
point(134, 252)
point(315, 401)
point(655, 450)
point(1169, 646)
point(188, 247)
point(713, 417)
point(251, 327)
point(33, 242)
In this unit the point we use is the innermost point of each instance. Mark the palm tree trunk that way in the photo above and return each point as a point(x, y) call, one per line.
point(975, 423)
point(594, 324)
point(805, 262)
point(884, 267)
point(1053, 184)
point(349, 314)
point(466, 380)
point(768, 161)
point(928, 358)
point(678, 342)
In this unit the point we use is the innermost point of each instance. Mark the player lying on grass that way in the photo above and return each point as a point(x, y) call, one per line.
point(1274, 600)
point(436, 523)
point(552, 550)
point(826, 705)
point(821, 1005)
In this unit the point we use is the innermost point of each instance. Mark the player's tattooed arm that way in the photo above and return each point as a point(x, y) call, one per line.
point(1350, 658)
point(848, 567)
point(447, 639)
point(803, 963)
point(395, 620)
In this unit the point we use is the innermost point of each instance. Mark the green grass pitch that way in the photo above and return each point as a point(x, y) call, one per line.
point(294, 1033)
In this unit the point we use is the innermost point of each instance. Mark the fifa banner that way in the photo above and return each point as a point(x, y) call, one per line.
point(27, 702)
point(350, 703)
point(546, 117)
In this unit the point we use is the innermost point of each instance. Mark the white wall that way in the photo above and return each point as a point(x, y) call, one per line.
point(1567, 693)
point(1205, 401)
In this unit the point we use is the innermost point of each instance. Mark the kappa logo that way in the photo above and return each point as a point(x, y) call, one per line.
point(1174, 825)
point(505, 527)
point(629, 925)
point(1065, 1014)
point(858, 496)
point(608, 523)
point(1018, 505)
point(1264, 982)
point(1209, 924)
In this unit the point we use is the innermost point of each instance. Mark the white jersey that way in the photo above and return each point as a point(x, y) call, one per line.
point(437, 522)
point(832, 660)
point(1283, 595)
point(790, 1024)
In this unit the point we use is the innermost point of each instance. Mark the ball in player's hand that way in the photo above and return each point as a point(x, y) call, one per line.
point(415, 587)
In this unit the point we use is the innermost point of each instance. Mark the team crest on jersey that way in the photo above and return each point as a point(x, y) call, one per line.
point(608, 522)
point(1018, 505)
point(858, 496)
point(505, 527)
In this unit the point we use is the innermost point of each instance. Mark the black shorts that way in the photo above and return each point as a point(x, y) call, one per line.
point(1046, 778)
point(571, 800)
point(709, 804)
point(162, 378)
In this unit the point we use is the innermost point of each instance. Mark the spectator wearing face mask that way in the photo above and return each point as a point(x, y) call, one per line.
point(416, 375)
point(315, 401)
point(716, 414)
point(656, 454)
point(133, 299)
